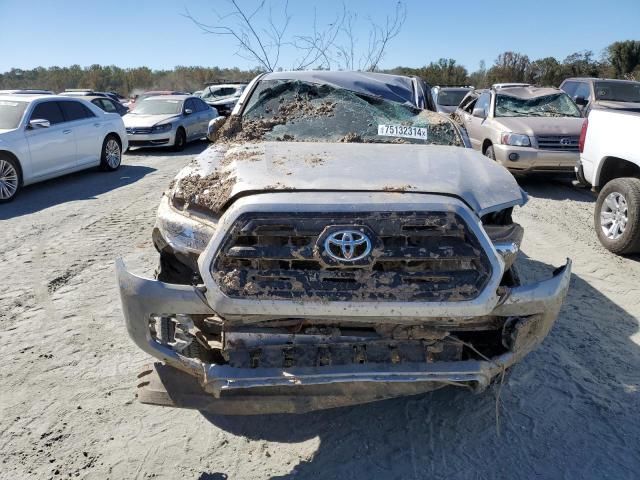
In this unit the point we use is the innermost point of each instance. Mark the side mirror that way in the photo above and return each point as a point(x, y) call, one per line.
point(581, 101)
point(479, 112)
point(214, 126)
point(188, 111)
point(39, 123)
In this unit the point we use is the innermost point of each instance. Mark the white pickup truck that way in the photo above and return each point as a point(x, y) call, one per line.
point(610, 163)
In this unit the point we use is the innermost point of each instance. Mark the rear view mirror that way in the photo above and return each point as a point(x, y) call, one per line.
point(39, 123)
point(581, 101)
point(188, 111)
point(479, 112)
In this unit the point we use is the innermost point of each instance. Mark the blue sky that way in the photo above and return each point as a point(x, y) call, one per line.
point(153, 33)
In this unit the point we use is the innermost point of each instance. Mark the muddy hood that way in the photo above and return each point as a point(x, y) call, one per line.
point(534, 126)
point(285, 166)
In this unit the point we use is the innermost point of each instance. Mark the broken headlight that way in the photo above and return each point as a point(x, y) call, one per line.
point(515, 139)
point(185, 233)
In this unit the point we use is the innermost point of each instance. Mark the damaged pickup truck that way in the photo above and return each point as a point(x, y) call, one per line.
point(336, 245)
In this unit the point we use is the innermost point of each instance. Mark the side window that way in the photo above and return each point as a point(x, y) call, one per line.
point(190, 105)
point(108, 106)
point(201, 106)
point(570, 88)
point(583, 91)
point(48, 111)
point(483, 101)
point(75, 111)
point(469, 103)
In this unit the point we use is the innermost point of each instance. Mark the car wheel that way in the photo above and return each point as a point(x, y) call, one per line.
point(111, 154)
point(490, 153)
point(180, 141)
point(617, 216)
point(10, 179)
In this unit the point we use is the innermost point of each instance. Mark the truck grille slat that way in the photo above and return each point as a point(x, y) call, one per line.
point(426, 257)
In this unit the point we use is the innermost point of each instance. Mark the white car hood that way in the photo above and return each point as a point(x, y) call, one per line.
point(272, 166)
point(135, 120)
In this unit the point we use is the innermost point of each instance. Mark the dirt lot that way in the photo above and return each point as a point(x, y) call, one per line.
point(68, 375)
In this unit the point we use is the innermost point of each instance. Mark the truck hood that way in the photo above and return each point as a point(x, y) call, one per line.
point(135, 120)
point(275, 166)
point(534, 126)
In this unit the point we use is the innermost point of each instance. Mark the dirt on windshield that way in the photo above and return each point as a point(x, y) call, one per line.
point(237, 129)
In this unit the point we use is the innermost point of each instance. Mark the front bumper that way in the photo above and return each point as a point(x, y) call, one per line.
point(151, 139)
point(231, 390)
point(531, 160)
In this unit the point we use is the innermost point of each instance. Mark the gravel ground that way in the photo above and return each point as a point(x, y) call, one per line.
point(68, 376)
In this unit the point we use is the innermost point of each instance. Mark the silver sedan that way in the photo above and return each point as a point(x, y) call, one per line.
point(168, 120)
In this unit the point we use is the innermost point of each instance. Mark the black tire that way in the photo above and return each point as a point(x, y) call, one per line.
point(612, 200)
point(488, 152)
point(10, 179)
point(180, 141)
point(111, 155)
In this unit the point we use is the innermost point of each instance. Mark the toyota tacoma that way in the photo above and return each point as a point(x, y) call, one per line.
point(338, 244)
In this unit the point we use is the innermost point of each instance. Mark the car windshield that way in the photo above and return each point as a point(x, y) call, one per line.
point(451, 98)
point(308, 112)
point(555, 105)
point(11, 113)
point(618, 91)
point(158, 106)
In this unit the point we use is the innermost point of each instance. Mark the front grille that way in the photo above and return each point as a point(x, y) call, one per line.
point(415, 257)
point(566, 143)
point(138, 131)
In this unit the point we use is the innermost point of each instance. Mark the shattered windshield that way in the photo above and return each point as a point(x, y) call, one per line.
point(451, 98)
point(555, 105)
point(290, 110)
point(618, 91)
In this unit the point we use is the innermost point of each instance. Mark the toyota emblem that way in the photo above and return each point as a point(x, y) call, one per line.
point(347, 245)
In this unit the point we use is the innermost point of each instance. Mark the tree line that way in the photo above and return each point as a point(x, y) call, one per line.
point(126, 81)
point(619, 60)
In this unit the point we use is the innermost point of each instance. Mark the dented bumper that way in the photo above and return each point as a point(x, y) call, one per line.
point(532, 310)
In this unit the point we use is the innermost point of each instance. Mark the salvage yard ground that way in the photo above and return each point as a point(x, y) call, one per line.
point(68, 375)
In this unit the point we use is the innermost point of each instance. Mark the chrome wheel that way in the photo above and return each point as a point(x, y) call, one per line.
point(614, 215)
point(112, 153)
point(8, 180)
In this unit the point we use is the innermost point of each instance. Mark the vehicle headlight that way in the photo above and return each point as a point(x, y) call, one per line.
point(164, 127)
point(515, 140)
point(183, 233)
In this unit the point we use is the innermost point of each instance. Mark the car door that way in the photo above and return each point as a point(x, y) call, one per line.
point(205, 112)
point(87, 128)
point(191, 120)
point(53, 148)
point(475, 125)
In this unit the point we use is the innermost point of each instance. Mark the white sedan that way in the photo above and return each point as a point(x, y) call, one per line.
point(46, 136)
point(168, 121)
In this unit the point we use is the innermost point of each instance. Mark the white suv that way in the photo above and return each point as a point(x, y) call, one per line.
point(46, 136)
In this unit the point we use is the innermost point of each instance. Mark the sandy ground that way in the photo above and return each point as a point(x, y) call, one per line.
point(67, 381)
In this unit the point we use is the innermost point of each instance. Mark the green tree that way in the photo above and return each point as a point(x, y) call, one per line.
point(509, 67)
point(624, 57)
